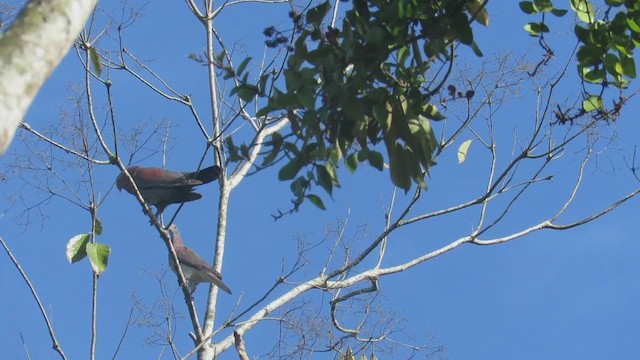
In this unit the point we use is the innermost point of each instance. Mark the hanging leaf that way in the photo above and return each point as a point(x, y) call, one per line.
point(76, 247)
point(462, 150)
point(316, 200)
point(99, 256)
point(95, 61)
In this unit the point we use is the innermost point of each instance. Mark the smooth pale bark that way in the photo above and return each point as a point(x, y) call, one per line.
point(29, 51)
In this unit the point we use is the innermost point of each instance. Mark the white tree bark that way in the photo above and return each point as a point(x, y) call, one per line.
point(29, 51)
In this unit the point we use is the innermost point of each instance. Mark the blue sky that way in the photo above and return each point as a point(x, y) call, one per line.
point(550, 295)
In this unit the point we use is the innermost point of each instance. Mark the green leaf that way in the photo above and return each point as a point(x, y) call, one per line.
point(481, 15)
point(614, 3)
point(593, 76)
point(559, 12)
point(98, 227)
point(399, 171)
point(324, 179)
point(431, 112)
point(462, 29)
point(316, 14)
point(591, 103)
point(76, 247)
point(584, 10)
point(352, 162)
point(246, 92)
point(331, 170)
point(376, 160)
point(536, 28)
point(527, 7)
point(242, 66)
point(95, 61)
point(290, 170)
point(99, 256)
point(629, 67)
point(476, 50)
point(633, 24)
point(316, 200)
point(462, 150)
point(612, 64)
point(543, 5)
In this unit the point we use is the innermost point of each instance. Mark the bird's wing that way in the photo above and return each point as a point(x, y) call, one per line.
point(191, 259)
point(150, 178)
point(205, 272)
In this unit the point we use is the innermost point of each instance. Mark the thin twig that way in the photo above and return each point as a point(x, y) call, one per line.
point(56, 346)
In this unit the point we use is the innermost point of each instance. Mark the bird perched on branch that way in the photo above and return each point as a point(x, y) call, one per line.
point(195, 269)
point(161, 188)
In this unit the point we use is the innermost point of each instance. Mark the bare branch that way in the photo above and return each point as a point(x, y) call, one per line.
point(52, 334)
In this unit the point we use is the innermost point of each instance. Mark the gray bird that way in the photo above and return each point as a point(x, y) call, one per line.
point(195, 269)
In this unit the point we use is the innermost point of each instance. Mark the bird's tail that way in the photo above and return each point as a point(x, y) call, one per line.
point(215, 280)
point(206, 175)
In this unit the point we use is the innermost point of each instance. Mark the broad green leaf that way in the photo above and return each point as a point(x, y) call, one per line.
point(591, 103)
point(99, 256)
point(245, 92)
point(324, 179)
point(462, 150)
point(431, 112)
point(612, 64)
point(331, 170)
point(76, 247)
point(397, 167)
point(95, 61)
point(584, 10)
point(376, 160)
point(527, 7)
point(633, 23)
point(316, 200)
point(629, 67)
point(536, 28)
point(593, 76)
point(543, 5)
point(290, 170)
point(559, 12)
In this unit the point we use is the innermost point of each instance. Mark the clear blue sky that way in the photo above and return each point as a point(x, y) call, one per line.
point(551, 295)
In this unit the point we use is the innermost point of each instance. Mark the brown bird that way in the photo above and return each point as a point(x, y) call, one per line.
point(161, 188)
point(195, 269)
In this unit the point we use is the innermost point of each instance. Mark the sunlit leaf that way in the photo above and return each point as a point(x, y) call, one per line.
point(76, 247)
point(591, 103)
point(536, 28)
point(584, 10)
point(462, 150)
point(99, 256)
point(481, 15)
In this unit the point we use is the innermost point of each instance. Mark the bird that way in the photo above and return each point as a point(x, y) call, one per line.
point(161, 188)
point(194, 268)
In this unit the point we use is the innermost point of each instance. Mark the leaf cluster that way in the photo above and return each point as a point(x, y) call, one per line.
point(361, 91)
